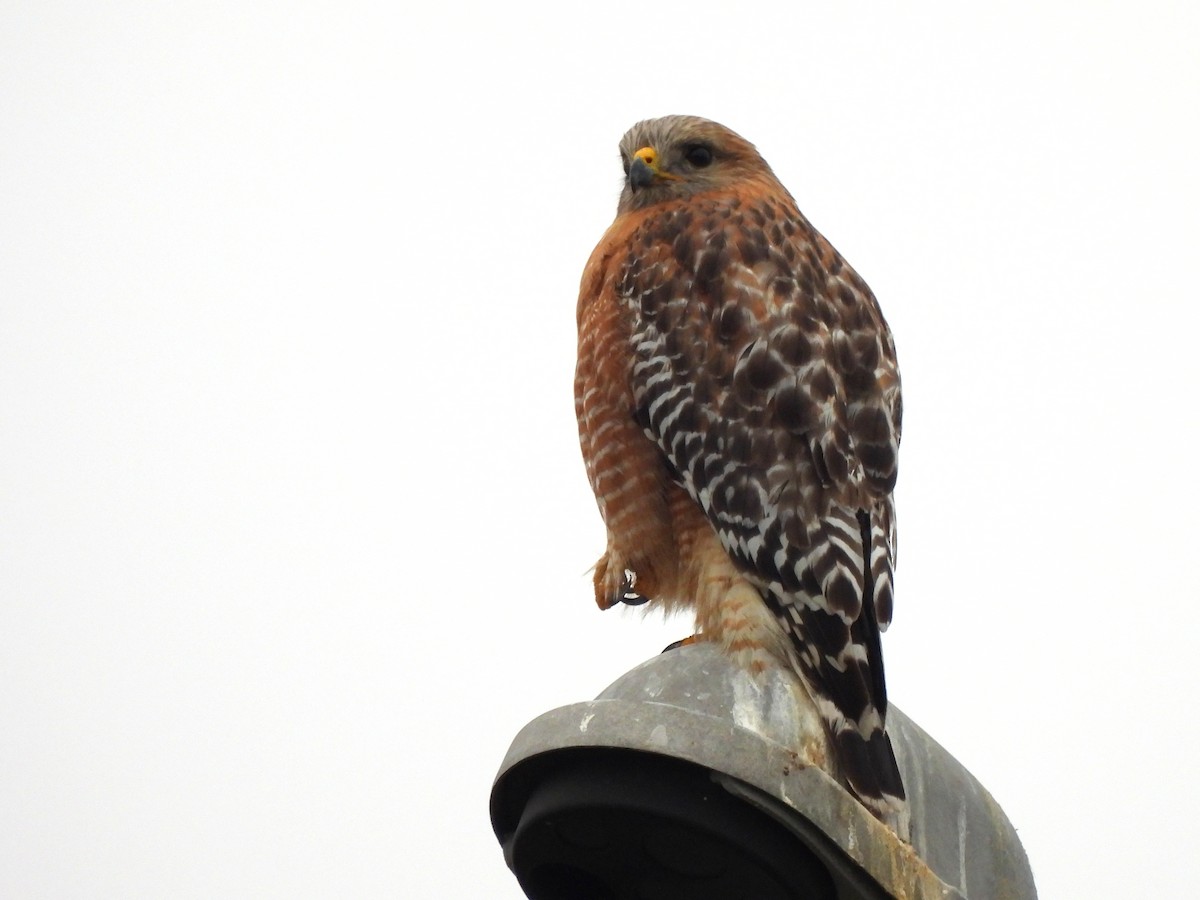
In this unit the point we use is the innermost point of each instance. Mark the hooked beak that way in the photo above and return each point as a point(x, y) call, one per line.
point(645, 169)
point(640, 174)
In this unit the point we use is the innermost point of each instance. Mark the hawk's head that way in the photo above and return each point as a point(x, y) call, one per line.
point(678, 156)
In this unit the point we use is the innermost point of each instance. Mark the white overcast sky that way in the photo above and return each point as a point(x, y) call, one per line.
point(294, 531)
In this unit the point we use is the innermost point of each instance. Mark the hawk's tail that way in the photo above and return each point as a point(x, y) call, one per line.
point(869, 766)
point(842, 685)
point(833, 625)
point(866, 750)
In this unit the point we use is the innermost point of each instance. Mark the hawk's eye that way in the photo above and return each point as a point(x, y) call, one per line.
point(698, 155)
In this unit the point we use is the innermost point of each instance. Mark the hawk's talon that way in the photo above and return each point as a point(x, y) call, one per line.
point(690, 639)
point(626, 593)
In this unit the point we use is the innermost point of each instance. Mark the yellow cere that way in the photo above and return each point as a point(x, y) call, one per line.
point(648, 156)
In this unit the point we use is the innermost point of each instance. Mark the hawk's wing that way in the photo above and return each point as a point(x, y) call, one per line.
point(764, 371)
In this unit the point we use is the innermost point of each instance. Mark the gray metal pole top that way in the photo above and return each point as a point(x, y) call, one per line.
point(689, 777)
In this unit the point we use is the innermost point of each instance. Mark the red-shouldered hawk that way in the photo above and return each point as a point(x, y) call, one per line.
point(739, 414)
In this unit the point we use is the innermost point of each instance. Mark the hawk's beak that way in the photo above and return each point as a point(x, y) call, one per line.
point(640, 174)
point(645, 169)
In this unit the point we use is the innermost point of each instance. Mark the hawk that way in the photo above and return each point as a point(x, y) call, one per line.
point(739, 413)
